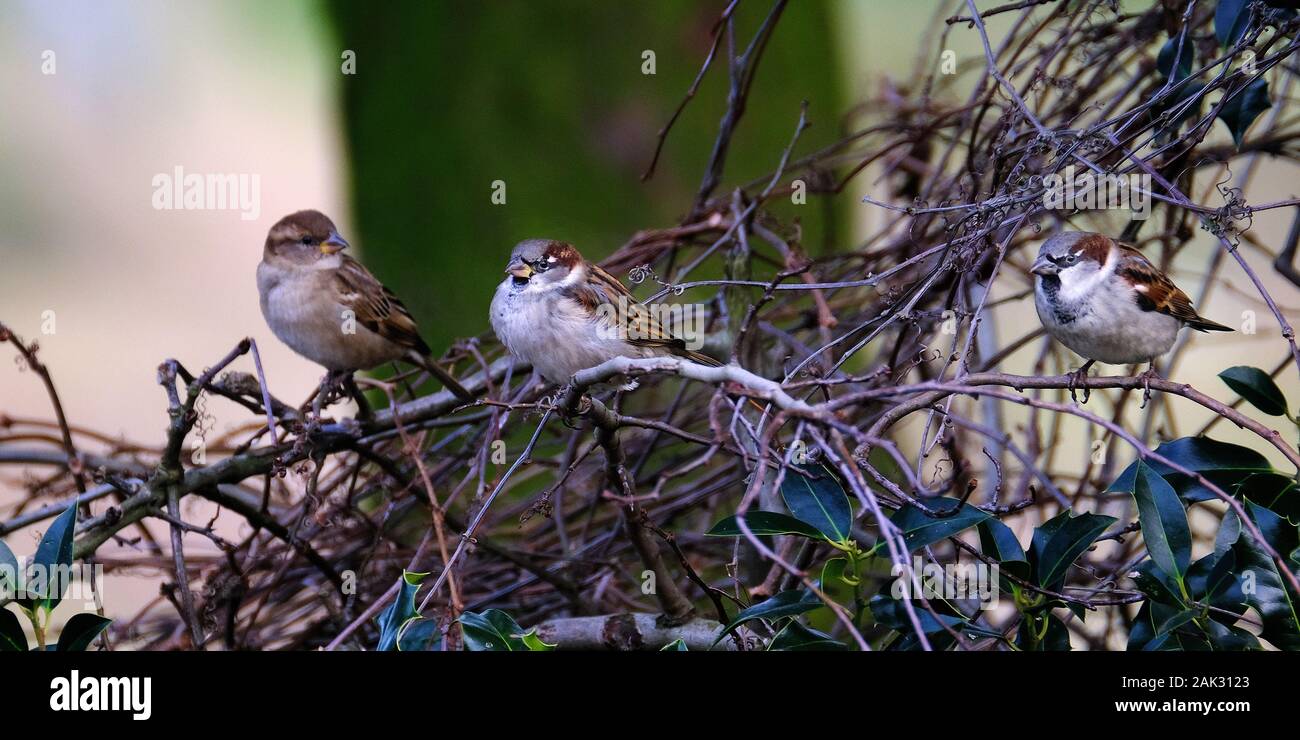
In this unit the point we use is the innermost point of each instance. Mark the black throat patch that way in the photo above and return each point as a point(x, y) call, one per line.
point(1051, 285)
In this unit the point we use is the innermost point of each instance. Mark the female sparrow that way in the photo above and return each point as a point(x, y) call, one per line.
point(328, 308)
point(1106, 301)
point(562, 314)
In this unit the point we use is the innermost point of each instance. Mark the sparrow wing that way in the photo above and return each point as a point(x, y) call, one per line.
point(1156, 292)
point(643, 328)
point(375, 307)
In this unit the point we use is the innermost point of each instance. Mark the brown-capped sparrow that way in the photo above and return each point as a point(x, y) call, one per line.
point(328, 308)
point(1107, 302)
point(562, 314)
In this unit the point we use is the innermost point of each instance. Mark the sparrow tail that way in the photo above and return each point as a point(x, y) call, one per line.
point(1200, 323)
point(443, 376)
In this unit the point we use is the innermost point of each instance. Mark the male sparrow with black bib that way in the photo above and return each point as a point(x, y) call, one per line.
point(561, 314)
point(1107, 302)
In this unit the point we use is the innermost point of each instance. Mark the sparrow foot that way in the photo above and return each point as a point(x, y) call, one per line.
point(1146, 377)
point(1077, 377)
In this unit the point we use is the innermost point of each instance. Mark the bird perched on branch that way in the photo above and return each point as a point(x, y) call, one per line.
point(328, 308)
point(561, 313)
point(1107, 302)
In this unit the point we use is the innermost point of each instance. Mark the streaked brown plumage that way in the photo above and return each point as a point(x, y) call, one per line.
point(329, 308)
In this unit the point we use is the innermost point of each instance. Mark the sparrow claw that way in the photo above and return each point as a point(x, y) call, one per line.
point(1146, 384)
point(1077, 377)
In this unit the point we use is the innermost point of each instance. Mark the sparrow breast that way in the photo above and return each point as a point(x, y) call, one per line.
point(298, 308)
point(1106, 324)
point(553, 333)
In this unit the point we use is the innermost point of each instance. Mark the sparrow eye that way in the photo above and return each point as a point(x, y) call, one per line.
point(307, 240)
point(1071, 259)
point(540, 266)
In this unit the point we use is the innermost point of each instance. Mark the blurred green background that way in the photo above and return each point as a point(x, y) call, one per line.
point(551, 99)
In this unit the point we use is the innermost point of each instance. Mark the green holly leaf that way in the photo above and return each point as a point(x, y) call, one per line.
point(12, 637)
point(50, 571)
point(1164, 523)
point(997, 541)
point(1059, 541)
point(80, 630)
point(495, 631)
point(1231, 21)
point(795, 636)
point(1265, 587)
point(784, 604)
point(764, 522)
point(1242, 108)
point(920, 529)
point(1257, 388)
point(394, 620)
point(1180, 48)
point(818, 499)
point(1223, 464)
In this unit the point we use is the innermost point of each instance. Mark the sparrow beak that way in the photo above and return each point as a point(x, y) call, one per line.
point(1045, 267)
point(520, 270)
point(333, 244)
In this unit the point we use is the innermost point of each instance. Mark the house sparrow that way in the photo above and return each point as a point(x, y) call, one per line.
point(562, 314)
point(1106, 301)
point(328, 308)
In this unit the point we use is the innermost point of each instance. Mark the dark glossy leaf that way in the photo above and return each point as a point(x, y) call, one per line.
point(420, 635)
point(80, 630)
point(1213, 580)
point(891, 613)
point(818, 499)
point(394, 620)
point(1226, 465)
point(1142, 631)
point(795, 636)
point(1166, 629)
point(50, 571)
point(1045, 633)
point(1176, 620)
point(1241, 110)
point(1264, 586)
point(920, 529)
point(1069, 538)
point(1179, 640)
point(1226, 637)
point(1229, 532)
point(764, 522)
point(999, 542)
point(835, 571)
point(1274, 491)
point(1164, 523)
point(492, 631)
point(12, 639)
point(1180, 48)
point(1156, 584)
point(1231, 21)
point(676, 646)
point(785, 604)
point(1257, 388)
